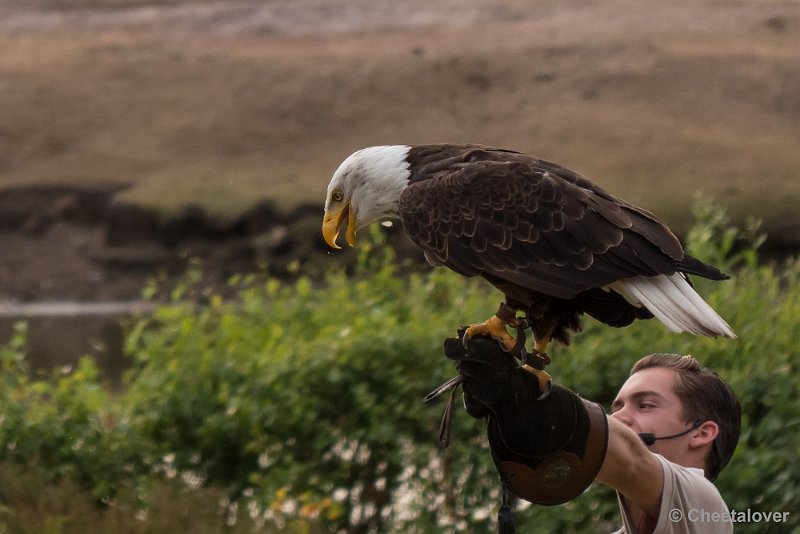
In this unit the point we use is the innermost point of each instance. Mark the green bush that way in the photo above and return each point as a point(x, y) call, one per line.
point(68, 426)
point(306, 399)
point(303, 401)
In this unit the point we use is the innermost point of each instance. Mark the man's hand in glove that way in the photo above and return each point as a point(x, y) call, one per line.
point(492, 376)
point(547, 449)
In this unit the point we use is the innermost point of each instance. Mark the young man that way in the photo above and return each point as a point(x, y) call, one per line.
point(666, 486)
point(688, 416)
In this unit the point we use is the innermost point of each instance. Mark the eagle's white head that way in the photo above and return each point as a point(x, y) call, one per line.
point(366, 187)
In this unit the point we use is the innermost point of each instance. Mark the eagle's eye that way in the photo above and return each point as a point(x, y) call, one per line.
point(337, 196)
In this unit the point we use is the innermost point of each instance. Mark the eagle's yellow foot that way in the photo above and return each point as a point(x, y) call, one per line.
point(494, 327)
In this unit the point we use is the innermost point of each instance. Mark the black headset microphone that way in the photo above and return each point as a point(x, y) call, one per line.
point(649, 438)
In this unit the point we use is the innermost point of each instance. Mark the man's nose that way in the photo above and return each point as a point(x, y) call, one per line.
point(623, 415)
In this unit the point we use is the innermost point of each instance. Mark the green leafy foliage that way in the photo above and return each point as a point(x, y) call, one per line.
point(306, 399)
point(68, 426)
point(303, 401)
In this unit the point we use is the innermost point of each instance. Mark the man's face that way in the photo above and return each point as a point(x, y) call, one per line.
point(647, 403)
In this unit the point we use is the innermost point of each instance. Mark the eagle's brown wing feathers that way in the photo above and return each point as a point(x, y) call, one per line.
point(532, 223)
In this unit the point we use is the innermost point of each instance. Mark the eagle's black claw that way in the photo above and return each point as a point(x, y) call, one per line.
point(546, 393)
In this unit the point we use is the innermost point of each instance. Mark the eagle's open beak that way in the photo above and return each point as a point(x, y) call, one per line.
point(334, 221)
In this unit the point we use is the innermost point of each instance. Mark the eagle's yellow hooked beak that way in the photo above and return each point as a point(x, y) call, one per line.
point(334, 221)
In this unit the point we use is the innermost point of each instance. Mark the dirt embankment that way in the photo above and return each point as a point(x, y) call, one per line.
point(70, 243)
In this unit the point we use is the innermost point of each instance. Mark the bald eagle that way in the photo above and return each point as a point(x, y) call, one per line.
point(553, 242)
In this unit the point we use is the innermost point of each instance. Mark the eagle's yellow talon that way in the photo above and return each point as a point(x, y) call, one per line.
point(493, 327)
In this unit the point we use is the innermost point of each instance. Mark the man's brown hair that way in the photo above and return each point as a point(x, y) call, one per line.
point(705, 397)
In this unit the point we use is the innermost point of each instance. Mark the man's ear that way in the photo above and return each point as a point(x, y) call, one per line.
point(706, 433)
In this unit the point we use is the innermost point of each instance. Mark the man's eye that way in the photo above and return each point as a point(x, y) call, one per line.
point(646, 405)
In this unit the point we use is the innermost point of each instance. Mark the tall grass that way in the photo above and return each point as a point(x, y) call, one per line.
point(301, 404)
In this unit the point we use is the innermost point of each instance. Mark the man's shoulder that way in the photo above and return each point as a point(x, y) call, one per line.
point(690, 503)
point(686, 478)
point(682, 470)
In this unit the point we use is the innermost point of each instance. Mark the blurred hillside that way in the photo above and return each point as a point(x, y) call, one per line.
point(233, 106)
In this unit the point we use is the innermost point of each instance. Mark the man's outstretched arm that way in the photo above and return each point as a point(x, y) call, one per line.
point(631, 469)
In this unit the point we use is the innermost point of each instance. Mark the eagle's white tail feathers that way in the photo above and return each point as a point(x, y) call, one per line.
point(673, 301)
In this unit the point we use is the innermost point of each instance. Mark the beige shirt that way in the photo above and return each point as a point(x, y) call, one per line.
point(690, 504)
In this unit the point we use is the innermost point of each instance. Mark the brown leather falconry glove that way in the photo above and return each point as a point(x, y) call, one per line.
point(546, 450)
